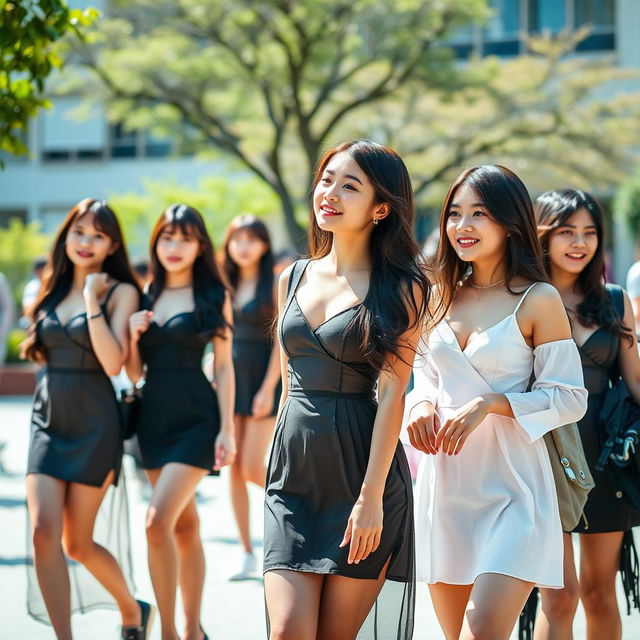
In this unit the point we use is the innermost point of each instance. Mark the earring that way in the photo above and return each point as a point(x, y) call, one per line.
point(375, 221)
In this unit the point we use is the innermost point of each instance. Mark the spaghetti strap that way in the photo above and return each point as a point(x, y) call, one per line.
point(105, 302)
point(524, 295)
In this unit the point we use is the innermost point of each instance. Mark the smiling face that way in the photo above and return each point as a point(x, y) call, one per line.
point(344, 198)
point(471, 230)
point(177, 250)
point(573, 245)
point(85, 245)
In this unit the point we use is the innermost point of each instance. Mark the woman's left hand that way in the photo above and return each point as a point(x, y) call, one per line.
point(364, 528)
point(262, 404)
point(225, 450)
point(455, 431)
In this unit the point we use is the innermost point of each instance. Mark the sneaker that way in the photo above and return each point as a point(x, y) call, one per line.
point(249, 565)
point(146, 621)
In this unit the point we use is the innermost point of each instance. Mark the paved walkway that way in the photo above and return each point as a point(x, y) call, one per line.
point(231, 610)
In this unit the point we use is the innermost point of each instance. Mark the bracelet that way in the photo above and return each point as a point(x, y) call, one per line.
point(96, 315)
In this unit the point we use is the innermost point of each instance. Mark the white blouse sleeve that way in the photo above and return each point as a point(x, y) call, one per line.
point(425, 386)
point(557, 396)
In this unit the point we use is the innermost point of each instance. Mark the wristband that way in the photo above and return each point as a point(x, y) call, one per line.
point(96, 315)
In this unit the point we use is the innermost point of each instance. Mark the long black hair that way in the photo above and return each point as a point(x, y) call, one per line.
point(264, 290)
point(57, 283)
point(396, 262)
point(509, 205)
point(553, 209)
point(209, 289)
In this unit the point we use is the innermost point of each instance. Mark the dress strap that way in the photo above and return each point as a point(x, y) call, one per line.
point(105, 302)
point(524, 295)
point(297, 271)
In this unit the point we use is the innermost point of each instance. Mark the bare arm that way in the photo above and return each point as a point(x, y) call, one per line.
point(628, 354)
point(262, 405)
point(226, 388)
point(138, 323)
point(283, 286)
point(110, 336)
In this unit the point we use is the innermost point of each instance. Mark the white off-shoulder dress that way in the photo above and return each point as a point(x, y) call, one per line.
point(493, 507)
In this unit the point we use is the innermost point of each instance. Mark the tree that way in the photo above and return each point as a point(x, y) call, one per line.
point(627, 203)
point(27, 57)
point(267, 82)
point(271, 83)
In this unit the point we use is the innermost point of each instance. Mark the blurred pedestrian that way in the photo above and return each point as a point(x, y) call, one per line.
point(247, 262)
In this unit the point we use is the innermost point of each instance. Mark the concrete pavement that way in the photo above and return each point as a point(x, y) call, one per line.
point(231, 610)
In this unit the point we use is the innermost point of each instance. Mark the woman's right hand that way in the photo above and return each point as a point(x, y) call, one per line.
point(138, 323)
point(423, 426)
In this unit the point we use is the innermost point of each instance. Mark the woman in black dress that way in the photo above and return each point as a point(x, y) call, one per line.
point(338, 510)
point(248, 264)
point(183, 431)
point(79, 333)
point(571, 230)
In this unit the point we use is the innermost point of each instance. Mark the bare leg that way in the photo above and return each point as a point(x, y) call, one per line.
point(257, 438)
point(450, 603)
point(555, 620)
point(173, 486)
point(599, 562)
point(191, 568)
point(293, 603)
point(80, 511)
point(238, 488)
point(45, 501)
point(494, 605)
point(345, 604)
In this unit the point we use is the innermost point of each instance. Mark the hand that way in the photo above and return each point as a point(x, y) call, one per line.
point(423, 426)
point(364, 528)
point(96, 285)
point(262, 404)
point(225, 450)
point(456, 430)
point(138, 323)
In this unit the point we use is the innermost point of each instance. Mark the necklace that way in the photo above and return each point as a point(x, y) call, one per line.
point(485, 286)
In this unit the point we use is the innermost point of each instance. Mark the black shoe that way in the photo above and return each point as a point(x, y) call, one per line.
point(146, 620)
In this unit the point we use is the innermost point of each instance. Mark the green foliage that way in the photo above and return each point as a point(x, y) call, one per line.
point(27, 57)
point(218, 199)
point(267, 83)
point(271, 84)
point(15, 337)
point(20, 245)
point(626, 205)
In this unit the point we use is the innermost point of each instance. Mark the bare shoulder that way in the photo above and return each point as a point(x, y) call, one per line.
point(124, 291)
point(542, 298)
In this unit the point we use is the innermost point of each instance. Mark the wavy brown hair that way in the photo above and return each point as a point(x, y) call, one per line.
point(396, 263)
point(508, 204)
point(209, 288)
point(264, 290)
point(57, 283)
point(553, 210)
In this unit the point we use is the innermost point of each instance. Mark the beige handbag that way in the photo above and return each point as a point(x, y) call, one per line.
point(570, 473)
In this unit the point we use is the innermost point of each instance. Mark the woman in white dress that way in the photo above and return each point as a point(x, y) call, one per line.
point(487, 521)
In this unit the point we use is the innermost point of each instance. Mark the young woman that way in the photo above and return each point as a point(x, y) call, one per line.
point(338, 512)
point(571, 228)
point(79, 332)
point(487, 521)
point(182, 430)
point(248, 265)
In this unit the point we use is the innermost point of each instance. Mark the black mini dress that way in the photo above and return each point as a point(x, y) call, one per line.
point(179, 416)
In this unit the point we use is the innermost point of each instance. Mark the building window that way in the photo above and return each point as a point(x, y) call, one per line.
point(546, 15)
point(124, 142)
point(601, 16)
point(501, 36)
